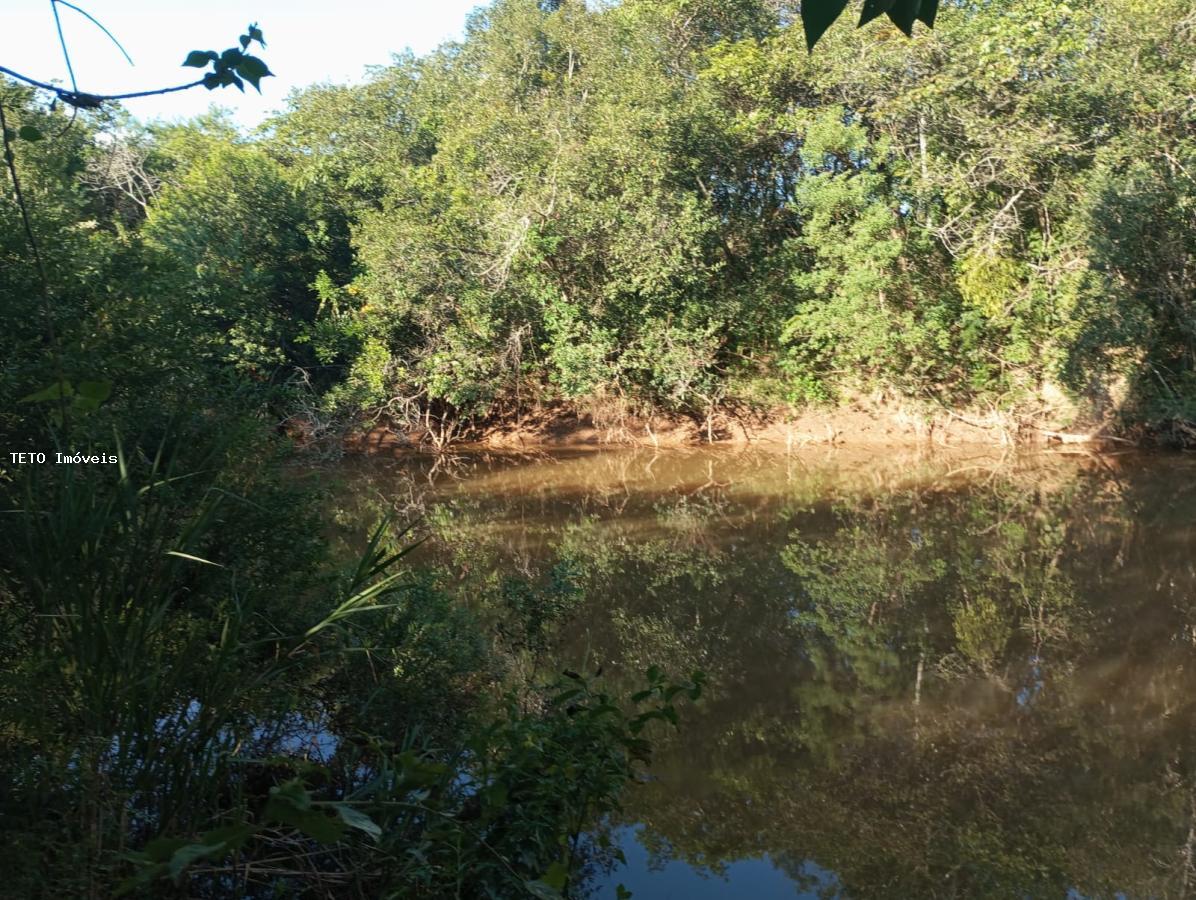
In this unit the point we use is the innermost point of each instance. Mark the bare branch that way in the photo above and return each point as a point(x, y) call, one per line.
point(94, 21)
point(92, 101)
point(66, 54)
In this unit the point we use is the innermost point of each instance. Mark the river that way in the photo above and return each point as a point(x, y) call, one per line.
point(929, 675)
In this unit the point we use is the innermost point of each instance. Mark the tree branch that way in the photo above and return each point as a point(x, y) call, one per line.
point(92, 101)
point(94, 21)
point(66, 54)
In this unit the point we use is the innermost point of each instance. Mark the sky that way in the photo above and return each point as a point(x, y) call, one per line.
point(308, 41)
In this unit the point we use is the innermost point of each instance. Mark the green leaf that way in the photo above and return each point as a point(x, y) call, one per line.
point(291, 793)
point(56, 391)
point(621, 893)
point(29, 133)
point(222, 78)
point(290, 803)
point(873, 9)
point(321, 828)
point(904, 13)
point(161, 849)
point(253, 70)
point(244, 41)
point(90, 394)
point(97, 391)
point(356, 819)
point(199, 59)
point(542, 891)
point(556, 876)
point(566, 696)
point(414, 773)
point(233, 837)
point(817, 16)
point(928, 12)
point(192, 853)
point(314, 824)
point(255, 34)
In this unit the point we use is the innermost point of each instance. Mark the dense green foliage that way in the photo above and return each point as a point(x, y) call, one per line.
point(671, 206)
point(652, 205)
point(196, 697)
point(189, 694)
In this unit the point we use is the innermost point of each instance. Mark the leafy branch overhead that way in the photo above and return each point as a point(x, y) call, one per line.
point(818, 15)
point(234, 66)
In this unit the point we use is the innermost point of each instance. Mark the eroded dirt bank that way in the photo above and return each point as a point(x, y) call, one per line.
point(864, 425)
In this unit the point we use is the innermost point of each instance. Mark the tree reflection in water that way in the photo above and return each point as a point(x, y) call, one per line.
point(927, 678)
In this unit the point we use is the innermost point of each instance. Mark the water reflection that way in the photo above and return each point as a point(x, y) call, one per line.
point(930, 676)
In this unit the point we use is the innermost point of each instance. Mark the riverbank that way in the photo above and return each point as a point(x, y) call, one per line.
point(863, 423)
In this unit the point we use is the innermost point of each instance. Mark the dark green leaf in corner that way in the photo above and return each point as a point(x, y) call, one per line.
point(904, 13)
point(874, 9)
point(817, 16)
point(29, 133)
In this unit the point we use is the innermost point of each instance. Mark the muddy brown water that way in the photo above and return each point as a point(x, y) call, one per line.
point(929, 675)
